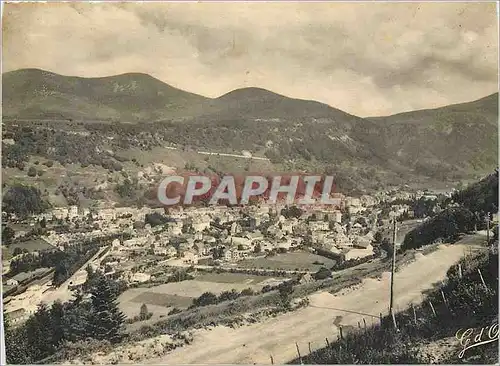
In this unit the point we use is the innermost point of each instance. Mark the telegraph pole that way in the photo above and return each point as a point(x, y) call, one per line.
point(487, 218)
point(393, 265)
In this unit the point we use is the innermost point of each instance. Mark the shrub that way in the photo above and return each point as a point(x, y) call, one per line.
point(17, 251)
point(266, 288)
point(228, 295)
point(31, 171)
point(205, 299)
point(174, 311)
point(322, 274)
point(247, 292)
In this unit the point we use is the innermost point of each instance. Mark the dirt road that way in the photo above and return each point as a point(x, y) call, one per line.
point(277, 336)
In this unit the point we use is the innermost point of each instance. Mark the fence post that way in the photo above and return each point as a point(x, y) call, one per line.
point(414, 314)
point(459, 270)
point(327, 343)
point(359, 325)
point(380, 319)
point(394, 320)
point(272, 360)
point(444, 299)
point(482, 279)
point(341, 335)
point(432, 307)
point(309, 345)
point(364, 322)
point(298, 352)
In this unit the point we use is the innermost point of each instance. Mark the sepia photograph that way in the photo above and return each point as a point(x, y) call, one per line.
point(250, 183)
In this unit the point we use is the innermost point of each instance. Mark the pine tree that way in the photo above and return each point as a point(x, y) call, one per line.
point(8, 235)
point(39, 330)
point(107, 319)
point(77, 319)
point(285, 293)
point(144, 313)
point(57, 317)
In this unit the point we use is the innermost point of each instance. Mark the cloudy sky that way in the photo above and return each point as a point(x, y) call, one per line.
point(364, 58)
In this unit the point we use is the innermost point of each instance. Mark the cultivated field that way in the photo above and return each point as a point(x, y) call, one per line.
point(160, 299)
point(29, 245)
point(290, 262)
point(159, 304)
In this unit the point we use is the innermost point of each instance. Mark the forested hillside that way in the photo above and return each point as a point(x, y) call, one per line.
point(467, 210)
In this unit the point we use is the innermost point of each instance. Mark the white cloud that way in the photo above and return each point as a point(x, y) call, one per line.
point(364, 58)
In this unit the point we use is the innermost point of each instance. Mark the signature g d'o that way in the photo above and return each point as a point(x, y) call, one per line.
point(470, 338)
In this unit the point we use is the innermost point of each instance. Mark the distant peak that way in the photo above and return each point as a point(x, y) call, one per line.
point(128, 75)
point(30, 71)
point(250, 92)
point(134, 75)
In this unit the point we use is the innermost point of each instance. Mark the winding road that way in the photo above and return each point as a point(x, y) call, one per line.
point(251, 157)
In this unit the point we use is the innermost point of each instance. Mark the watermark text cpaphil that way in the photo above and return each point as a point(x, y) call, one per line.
point(296, 189)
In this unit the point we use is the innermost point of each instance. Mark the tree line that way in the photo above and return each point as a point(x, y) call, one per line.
point(466, 212)
point(209, 298)
point(65, 262)
point(23, 201)
point(92, 315)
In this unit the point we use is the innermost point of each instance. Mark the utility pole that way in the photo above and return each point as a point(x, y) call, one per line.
point(487, 218)
point(393, 265)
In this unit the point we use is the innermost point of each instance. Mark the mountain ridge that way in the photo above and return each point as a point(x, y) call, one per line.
point(35, 93)
point(442, 142)
point(253, 93)
point(486, 100)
